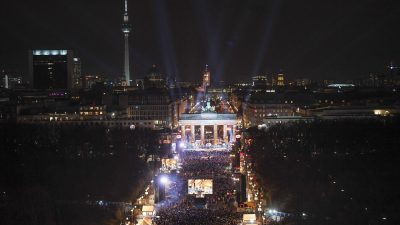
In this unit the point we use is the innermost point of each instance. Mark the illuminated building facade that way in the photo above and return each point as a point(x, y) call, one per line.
point(10, 79)
point(208, 127)
point(259, 81)
point(280, 80)
point(264, 105)
point(89, 80)
point(303, 82)
point(155, 106)
point(51, 69)
point(77, 73)
point(206, 78)
point(92, 112)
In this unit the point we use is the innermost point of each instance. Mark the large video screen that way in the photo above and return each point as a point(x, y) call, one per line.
point(169, 164)
point(200, 187)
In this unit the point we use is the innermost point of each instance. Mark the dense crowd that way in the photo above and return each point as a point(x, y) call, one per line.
point(195, 216)
point(218, 208)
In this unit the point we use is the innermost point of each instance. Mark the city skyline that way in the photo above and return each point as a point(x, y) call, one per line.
point(200, 112)
point(340, 40)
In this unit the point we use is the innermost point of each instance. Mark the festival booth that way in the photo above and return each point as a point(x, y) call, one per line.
point(148, 210)
point(147, 215)
point(145, 221)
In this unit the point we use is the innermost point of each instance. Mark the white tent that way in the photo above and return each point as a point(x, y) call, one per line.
point(148, 210)
point(249, 218)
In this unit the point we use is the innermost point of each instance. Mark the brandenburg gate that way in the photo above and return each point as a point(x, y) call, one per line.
point(208, 127)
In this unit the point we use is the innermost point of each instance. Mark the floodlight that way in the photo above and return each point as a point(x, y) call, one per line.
point(164, 180)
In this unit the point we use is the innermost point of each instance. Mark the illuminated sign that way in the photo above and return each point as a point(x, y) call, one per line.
point(49, 52)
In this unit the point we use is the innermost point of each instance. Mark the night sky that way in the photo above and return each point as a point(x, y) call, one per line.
point(335, 39)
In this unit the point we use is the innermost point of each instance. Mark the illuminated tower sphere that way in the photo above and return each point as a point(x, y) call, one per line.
point(126, 28)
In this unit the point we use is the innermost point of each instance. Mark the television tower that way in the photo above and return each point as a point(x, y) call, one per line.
point(126, 28)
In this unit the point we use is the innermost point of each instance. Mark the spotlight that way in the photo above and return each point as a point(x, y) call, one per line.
point(164, 180)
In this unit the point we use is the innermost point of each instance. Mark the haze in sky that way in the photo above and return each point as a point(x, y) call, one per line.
point(342, 39)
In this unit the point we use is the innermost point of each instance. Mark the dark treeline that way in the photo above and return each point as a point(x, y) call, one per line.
point(336, 172)
point(48, 173)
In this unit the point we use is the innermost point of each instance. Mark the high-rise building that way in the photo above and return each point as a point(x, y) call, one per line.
point(76, 76)
point(88, 81)
point(206, 78)
point(126, 28)
point(10, 79)
point(51, 69)
point(259, 81)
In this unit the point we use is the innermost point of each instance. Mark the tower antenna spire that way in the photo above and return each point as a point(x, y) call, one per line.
point(126, 6)
point(126, 28)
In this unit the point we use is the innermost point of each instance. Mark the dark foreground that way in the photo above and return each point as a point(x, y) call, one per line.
point(62, 175)
point(335, 172)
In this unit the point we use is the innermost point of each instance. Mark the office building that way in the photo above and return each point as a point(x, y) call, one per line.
point(51, 69)
point(77, 74)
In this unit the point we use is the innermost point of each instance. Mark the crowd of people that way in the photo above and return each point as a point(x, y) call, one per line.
point(216, 208)
point(191, 215)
